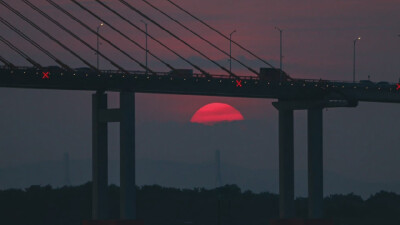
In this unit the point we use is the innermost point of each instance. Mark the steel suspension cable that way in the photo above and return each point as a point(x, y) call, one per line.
point(122, 34)
point(91, 30)
point(21, 34)
point(47, 34)
point(176, 37)
point(74, 35)
point(199, 36)
point(220, 33)
point(153, 38)
point(6, 62)
point(78, 38)
point(21, 53)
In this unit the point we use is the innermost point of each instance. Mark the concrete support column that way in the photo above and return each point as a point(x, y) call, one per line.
point(315, 164)
point(127, 156)
point(286, 164)
point(99, 158)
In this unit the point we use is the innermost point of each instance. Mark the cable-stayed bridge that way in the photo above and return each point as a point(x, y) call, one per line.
point(90, 78)
point(197, 84)
point(292, 93)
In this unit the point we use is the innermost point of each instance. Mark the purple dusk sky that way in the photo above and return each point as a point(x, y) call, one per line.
point(318, 36)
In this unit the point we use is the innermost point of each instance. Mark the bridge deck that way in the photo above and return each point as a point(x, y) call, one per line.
point(253, 87)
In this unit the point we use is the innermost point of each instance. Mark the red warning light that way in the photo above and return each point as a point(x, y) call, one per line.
point(398, 86)
point(45, 75)
point(238, 83)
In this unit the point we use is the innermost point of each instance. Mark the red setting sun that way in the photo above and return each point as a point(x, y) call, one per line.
point(213, 113)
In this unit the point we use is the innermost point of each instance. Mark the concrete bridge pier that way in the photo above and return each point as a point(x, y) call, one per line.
point(315, 154)
point(99, 158)
point(286, 164)
point(286, 158)
point(101, 115)
point(315, 163)
point(127, 156)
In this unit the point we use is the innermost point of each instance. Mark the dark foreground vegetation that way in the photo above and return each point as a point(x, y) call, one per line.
point(170, 206)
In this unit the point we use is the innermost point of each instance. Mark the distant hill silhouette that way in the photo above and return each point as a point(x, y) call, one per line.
point(182, 175)
point(158, 205)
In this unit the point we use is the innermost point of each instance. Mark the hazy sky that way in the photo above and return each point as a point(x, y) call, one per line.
point(360, 143)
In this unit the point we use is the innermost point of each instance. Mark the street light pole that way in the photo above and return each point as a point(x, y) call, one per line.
point(230, 50)
point(354, 59)
point(98, 44)
point(280, 55)
point(399, 37)
point(145, 24)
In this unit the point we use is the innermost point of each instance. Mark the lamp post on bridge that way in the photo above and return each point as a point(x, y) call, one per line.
point(280, 54)
point(354, 58)
point(145, 24)
point(280, 41)
point(230, 50)
point(399, 37)
point(98, 44)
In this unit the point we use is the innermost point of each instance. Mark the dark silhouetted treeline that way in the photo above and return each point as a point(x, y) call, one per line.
point(170, 206)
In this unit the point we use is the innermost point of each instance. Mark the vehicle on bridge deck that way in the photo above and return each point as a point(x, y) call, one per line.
point(25, 69)
point(366, 82)
point(383, 83)
point(274, 75)
point(53, 68)
point(84, 69)
point(181, 73)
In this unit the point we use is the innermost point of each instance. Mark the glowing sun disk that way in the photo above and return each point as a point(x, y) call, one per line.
point(213, 113)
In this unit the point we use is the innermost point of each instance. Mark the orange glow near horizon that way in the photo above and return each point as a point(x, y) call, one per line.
point(213, 113)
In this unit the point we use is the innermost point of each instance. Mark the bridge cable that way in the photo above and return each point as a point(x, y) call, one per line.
point(21, 34)
point(199, 36)
point(76, 36)
point(122, 34)
point(91, 30)
point(21, 53)
point(220, 33)
point(153, 38)
point(176, 37)
point(6, 62)
point(48, 35)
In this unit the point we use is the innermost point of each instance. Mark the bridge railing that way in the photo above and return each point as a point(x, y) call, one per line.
point(341, 82)
point(133, 72)
point(217, 76)
point(5, 67)
point(221, 76)
point(195, 75)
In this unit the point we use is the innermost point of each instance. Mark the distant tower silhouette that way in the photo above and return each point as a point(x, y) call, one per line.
point(67, 180)
point(218, 179)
